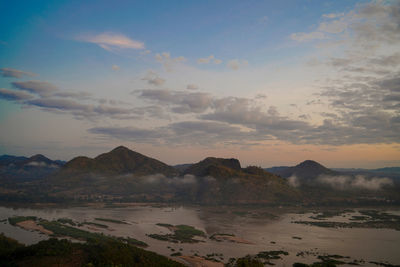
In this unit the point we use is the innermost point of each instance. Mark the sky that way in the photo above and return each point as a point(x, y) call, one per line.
point(268, 82)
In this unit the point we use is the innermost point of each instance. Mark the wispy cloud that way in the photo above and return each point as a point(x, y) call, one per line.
point(167, 61)
point(8, 72)
point(344, 182)
point(37, 87)
point(305, 37)
point(192, 86)
point(152, 78)
point(111, 41)
point(13, 95)
point(209, 59)
point(236, 64)
point(333, 15)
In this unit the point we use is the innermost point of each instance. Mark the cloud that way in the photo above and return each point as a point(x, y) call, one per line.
point(128, 133)
point(333, 15)
point(204, 133)
point(115, 67)
point(167, 61)
point(8, 72)
point(305, 37)
point(209, 59)
point(192, 87)
point(13, 95)
point(336, 26)
point(235, 64)
point(76, 95)
point(294, 181)
point(41, 164)
point(111, 41)
point(152, 78)
point(36, 87)
point(145, 52)
point(180, 101)
point(58, 103)
point(343, 182)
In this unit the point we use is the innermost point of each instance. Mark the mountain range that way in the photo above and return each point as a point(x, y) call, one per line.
point(125, 175)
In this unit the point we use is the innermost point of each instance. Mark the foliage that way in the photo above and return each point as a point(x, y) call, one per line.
point(54, 252)
point(18, 219)
point(182, 233)
point(110, 220)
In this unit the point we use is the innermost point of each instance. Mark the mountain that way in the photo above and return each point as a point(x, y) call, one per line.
point(307, 170)
point(8, 159)
point(124, 175)
point(118, 161)
point(182, 167)
point(214, 166)
point(130, 176)
point(27, 169)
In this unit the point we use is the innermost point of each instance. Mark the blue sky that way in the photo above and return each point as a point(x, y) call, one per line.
point(227, 78)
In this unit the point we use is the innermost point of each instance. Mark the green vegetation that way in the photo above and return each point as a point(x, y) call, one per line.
point(61, 230)
point(182, 233)
point(214, 236)
point(17, 219)
point(329, 214)
point(66, 221)
point(369, 219)
point(383, 264)
point(272, 255)
point(96, 224)
point(165, 225)
point(330, 261)
point(133, 241)
point(176, 254)
point(111, 220)
point(54, 252)
point(246, 261)
point(261, 259)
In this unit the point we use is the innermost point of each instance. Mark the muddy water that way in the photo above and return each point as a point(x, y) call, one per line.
point(254, 225)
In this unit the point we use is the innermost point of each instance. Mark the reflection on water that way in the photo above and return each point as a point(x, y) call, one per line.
point(264, 228)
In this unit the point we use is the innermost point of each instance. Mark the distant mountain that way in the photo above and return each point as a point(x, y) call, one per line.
point(118, 161)
point(26, 169)
point(307, 170)
point(388, 170)
point(276, 169)
point(8, 159)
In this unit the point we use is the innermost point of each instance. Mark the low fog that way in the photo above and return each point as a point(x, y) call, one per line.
point(343, 182)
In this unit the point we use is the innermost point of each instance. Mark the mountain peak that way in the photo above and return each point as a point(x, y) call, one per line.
point(120, 149)
point(39, 157)
point(310, 164)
